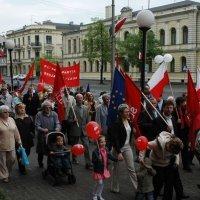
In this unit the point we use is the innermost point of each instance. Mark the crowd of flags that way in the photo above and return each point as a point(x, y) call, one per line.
point(124, 90)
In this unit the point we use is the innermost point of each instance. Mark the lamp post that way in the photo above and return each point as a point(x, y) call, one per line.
point(145, 20)
point(10, 46)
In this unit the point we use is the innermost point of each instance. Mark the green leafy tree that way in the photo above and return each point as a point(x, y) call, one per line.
point(130, 48)
point(96, 45)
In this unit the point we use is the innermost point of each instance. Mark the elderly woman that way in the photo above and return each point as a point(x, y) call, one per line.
point(122, 133)
point(9, 136)
point(26, 129)
point(46, 121)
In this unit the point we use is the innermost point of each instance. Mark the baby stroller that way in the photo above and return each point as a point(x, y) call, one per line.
point(51, 165)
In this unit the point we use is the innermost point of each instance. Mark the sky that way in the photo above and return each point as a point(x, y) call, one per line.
point(14, 14)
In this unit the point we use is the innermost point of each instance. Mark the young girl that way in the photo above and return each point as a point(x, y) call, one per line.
point(100, 158)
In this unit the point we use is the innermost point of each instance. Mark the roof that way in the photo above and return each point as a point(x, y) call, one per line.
point(69, 26)
point(175, 5)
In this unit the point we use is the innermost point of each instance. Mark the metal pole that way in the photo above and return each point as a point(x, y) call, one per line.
point(144, 39)
point(11, 68)
point(113, 42)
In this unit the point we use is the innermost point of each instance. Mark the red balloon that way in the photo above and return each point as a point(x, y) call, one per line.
point(93, 130)
point(78, 149)
point(141, 143)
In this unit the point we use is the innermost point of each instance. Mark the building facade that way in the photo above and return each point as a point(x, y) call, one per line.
point(177, 26)
point(35, 41)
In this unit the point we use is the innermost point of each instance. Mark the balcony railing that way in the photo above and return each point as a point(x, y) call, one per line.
point(36, 45)
point(17, 61)
point(18, 47)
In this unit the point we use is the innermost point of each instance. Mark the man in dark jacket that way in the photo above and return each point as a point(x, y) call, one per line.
point(146, 120)
point(31, 100)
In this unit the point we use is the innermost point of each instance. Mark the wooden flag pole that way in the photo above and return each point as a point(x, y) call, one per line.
point(170, 85)
point(154, 108)
point(146, 111)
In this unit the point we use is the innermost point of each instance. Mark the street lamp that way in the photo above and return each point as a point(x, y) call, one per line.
point(145, 19)
point(9, 44)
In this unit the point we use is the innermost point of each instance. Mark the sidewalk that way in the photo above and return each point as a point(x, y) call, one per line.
point(33, 187)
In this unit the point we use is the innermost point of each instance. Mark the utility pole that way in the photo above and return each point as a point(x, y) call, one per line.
point(113, 42)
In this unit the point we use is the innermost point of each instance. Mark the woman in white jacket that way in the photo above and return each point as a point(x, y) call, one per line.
point(164, 155)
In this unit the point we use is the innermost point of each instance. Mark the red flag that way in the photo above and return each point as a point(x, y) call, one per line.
point(1, 79)
point(158, 81)
point(119, 24)
point(28, 76)
point(71, 75)
point(192, 108)
point(133, 99)
point(47, 72)
point(57, 92)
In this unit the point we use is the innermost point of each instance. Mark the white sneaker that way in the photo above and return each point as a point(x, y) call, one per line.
point(101, 198)
point(94, 198)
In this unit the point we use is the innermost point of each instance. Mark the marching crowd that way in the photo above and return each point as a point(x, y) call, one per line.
point(34, 115)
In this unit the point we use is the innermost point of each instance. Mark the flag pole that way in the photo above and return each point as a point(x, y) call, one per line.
point(154, 108)
point(146, 111)
point(170, 85)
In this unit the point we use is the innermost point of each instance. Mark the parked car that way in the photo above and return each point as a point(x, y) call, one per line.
point(20, 77)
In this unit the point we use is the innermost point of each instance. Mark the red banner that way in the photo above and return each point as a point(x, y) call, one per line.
point(1, 79)
point(48, 71)
point(71, 75)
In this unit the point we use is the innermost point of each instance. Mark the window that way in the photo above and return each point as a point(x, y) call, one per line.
point(79, 45)
point(74, 63)
point(185, 35)
point(97, 66)
point(37, 54)
point(74, 45)
point(23, 54)
point(29, 54)
point(23, 41)
point(49, 53)
point(162, 37)
point(69, 64)
point(105, 66)
point(69, 46)
point(91, 66)
point(29, 40)
point(173, 36)
point(172, 66)
point(19, 41)
point(126, 35)
point(24, 69)
point(183, 63)
point(15, 41)
point(85, 66)
point(49, 39)
point(37, 39)
point(15, 55)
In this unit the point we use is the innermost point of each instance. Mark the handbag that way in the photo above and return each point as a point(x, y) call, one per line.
point(23, 156)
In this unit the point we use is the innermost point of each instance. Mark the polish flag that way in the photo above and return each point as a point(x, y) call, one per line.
point(158, 81)
point(198, 83)
point(119, 24)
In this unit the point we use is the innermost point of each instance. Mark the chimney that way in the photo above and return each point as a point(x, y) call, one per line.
point(108, 12)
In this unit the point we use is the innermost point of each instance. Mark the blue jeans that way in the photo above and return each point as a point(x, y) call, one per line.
point(147, 196)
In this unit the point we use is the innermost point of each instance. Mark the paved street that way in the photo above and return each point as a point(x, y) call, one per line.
point(33, 187)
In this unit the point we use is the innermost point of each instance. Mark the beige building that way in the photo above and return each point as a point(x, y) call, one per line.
point(35, 41)
point(177, 26)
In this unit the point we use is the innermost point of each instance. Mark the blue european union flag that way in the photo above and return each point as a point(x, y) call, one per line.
point(117, 96)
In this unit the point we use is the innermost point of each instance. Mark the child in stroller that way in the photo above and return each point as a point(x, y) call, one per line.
point(58, 160)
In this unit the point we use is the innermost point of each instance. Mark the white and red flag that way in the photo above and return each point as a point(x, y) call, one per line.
point(158, 81)
point(119, 24)
point(198, 83)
